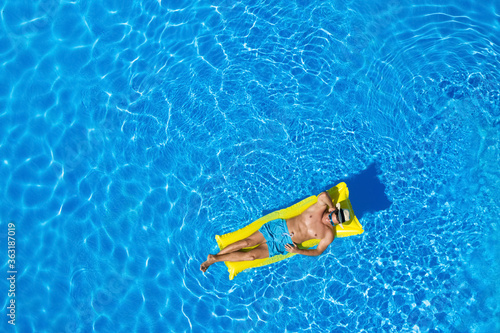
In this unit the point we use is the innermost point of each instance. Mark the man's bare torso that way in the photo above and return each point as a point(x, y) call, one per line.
point(308, 225)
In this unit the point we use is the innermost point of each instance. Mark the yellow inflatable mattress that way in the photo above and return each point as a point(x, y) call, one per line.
point(338, 193)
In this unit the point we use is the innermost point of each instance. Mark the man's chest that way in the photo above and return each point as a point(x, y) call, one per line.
point(313, 225)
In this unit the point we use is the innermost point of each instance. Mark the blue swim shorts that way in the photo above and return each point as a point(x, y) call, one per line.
point(276, 234)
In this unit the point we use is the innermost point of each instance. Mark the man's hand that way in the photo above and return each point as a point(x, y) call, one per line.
point(291, 248)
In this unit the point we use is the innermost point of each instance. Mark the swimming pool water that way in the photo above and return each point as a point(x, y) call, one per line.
point(133, 132)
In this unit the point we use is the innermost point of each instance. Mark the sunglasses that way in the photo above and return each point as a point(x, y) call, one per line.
point(339, 218)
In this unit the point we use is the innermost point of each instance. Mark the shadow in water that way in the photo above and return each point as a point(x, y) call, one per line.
point(366, 192)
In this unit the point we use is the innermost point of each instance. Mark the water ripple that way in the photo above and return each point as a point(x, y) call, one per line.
point(133, 133)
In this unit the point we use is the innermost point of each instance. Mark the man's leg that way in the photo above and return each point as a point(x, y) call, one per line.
point(260, 252)
point(252, 240)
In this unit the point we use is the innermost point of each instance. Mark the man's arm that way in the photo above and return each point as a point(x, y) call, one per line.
point(324, 198)
point(323, 244)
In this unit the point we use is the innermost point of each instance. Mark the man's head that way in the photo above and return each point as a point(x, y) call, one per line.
point(339, 216)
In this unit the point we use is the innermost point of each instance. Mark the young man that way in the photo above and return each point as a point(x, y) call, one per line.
point(281, 236)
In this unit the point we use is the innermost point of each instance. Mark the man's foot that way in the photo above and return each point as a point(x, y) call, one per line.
point(206, 264)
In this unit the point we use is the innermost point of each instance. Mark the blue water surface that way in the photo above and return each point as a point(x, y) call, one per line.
point(133, 132)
